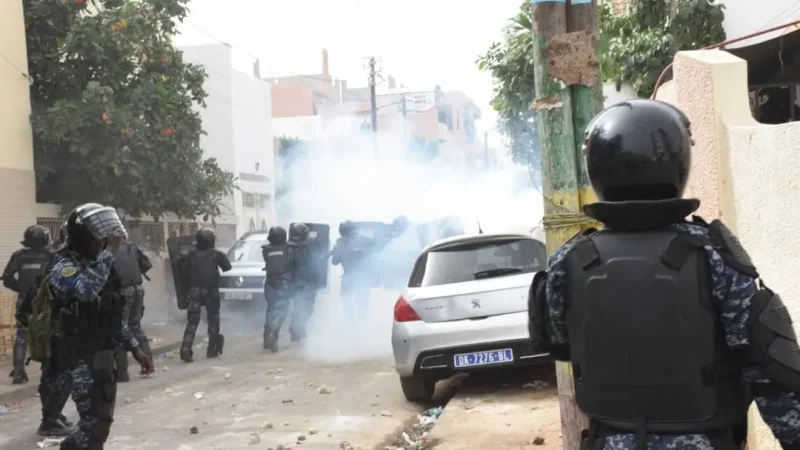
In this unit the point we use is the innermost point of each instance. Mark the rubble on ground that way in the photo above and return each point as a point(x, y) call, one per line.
point(417, 436)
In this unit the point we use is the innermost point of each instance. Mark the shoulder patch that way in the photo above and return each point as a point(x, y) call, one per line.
point(68, 271)
point(727, 242)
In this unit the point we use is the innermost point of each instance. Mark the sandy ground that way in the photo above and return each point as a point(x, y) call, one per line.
point(249, 398)
point(512, 410)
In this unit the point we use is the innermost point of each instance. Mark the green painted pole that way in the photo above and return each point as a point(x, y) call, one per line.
point(563, 113)
point(587, 101)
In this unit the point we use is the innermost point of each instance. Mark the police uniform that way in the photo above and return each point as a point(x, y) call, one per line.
point(202, 265)
point(88, 310)
point(669, 331)
point(27, 265)
point(280, 268)
point(131, 264)
point(305, 289)
point(351, 251)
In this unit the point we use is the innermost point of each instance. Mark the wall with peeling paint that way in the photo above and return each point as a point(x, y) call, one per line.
point(744, 172)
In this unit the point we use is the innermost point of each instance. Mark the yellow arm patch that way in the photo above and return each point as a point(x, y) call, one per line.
point(68, 271)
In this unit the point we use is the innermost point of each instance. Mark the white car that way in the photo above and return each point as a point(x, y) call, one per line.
point(466, 309)
point(244, 283)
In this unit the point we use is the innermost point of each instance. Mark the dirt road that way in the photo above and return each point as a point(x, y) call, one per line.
point(246, 399)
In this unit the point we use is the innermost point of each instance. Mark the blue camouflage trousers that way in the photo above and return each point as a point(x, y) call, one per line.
point(94, 391)
point(279, 299)
point(198, 298)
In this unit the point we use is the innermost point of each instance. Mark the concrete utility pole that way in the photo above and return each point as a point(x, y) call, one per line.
point(373, 104)
point(567, 81)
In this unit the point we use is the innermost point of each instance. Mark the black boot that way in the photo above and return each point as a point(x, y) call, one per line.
point(53, 427)
point(215, 344)
point(271, 341)
point(186, 354)
point(20, 377)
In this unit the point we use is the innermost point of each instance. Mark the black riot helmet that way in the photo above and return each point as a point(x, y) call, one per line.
point(276, 235)
point(638, 150)
point(36, 237)
point(347, 228)
point(89, 225)
point(299, 232)
point(205, 238)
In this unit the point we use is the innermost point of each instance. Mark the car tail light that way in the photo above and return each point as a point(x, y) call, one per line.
point(403, 312)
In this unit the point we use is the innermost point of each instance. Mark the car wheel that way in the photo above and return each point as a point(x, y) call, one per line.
point(417, 389)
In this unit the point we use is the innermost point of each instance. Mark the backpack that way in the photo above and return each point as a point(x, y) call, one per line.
point(40, 324)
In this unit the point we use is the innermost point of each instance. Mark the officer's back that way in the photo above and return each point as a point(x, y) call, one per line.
point(203, 262)
point(661, 318)
point(279, 257)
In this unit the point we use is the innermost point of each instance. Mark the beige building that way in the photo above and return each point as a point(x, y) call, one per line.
point(16, 156)
point(746, 173)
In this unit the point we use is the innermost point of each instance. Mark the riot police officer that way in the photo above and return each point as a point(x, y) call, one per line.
point(280, 265)
point(668, 328)
point(351, 251)
point(24, 266)
point(305, 290)
point(202, 265)
point(85, 295)
point(131, 265)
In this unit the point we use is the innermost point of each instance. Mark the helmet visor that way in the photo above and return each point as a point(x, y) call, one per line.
point(104, 222)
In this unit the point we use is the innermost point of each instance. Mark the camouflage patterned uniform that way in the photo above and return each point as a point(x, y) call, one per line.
point(93, 381)
point(198, 298)
point(734, 292)
point(278, 292)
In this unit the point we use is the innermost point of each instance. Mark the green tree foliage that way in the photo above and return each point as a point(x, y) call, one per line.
point(113, 116)
point(636, 47)
point(510, 62)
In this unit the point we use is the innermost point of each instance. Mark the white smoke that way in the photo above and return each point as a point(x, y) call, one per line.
point(344, 178)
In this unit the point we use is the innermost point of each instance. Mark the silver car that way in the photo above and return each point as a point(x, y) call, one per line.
point(465, 309)
point(244, 283)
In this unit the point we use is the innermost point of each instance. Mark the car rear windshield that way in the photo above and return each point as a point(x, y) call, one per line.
point(477, 261)
point(246, 251)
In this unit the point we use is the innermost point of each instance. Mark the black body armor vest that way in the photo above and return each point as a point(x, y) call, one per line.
point(127, 266)
point(30, 264)
point(202, 267)
point(91, 327)
point(646, 343)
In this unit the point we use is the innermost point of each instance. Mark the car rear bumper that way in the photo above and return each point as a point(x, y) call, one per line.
point(429, 348)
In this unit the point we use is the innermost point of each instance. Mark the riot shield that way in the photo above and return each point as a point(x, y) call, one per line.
point(378, 234)
point(319, 244)
point(176, 247)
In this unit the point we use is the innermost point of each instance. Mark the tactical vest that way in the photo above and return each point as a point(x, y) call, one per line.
point(90, 327)
point(647, 346)
point(276, 259)
point(202, 267)
point(30, 264)
point(126, 264)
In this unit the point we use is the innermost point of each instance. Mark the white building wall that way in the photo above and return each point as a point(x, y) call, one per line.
point(238, 123)
point(743, 17)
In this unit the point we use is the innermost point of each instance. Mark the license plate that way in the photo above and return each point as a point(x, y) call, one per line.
point(483, 358)
point(238, 296)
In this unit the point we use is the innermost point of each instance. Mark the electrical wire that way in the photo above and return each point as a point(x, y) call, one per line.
point(11, 63)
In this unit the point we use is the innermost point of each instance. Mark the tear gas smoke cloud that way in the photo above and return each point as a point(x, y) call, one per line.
point(342, 179)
